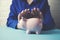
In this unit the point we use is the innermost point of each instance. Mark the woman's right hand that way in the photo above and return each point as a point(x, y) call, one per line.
point(22, 14)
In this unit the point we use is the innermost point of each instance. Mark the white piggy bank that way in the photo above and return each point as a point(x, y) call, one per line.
point(31, 25)
point(34, 25)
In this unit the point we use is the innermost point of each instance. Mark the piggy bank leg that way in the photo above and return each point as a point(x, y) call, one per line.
point(37, 32)
point(30, 32)
point(27, 31)
point(39, 28)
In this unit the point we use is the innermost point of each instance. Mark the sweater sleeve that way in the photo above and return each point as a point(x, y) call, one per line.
point(12, 19)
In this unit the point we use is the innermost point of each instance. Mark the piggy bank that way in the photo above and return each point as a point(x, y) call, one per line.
point(31, 21)
point(34, 25)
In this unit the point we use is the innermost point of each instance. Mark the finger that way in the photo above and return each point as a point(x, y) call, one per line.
point(32, 11)
point(21, 14)
point(35, 10)
point(41, 16)
point(27, 11)
point(40, 13)
point(38, 10)
point(22, 11)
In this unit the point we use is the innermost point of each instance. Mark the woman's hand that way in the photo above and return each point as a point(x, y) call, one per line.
point(23, 14)
point(36, 13)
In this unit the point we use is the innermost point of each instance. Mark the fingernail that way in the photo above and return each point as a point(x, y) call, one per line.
point(27, 9)
point(34, 8)
point(22, 11)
